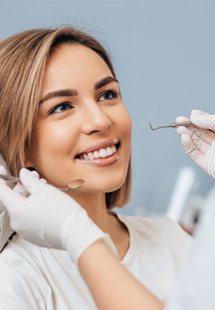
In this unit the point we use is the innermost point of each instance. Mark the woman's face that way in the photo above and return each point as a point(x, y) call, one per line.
point(83, 129)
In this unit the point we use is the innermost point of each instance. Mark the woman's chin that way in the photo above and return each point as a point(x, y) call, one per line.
point(107, 187)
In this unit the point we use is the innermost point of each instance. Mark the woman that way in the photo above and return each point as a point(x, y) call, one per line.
point(62, 115)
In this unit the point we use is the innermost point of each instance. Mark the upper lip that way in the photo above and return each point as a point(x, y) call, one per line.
point(98, 146)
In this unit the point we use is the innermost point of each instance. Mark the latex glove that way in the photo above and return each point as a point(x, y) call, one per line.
point(199, 140)
point(49, 217)
point(194, 288)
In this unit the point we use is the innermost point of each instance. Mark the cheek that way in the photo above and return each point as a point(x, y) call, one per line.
point(123, 121)
point(51, 141)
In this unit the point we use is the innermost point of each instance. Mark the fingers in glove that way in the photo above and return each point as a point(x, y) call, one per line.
point(35, 174)
point(30, 181)
point(181, 119)
point(203, 120)
point(20, 189)
point(199, 112)
point(43, 180)
point(191, 149)
point(8, 196)
point(207, 135)
point(198, 136)
point(210, 160)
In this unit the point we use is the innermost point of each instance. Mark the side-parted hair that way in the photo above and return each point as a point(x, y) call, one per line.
point(23, 59)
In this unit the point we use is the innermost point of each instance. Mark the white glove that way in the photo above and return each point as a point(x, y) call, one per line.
point(49, 217)
point(199, 140)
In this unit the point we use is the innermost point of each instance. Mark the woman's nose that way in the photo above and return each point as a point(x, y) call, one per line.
point(95, 120)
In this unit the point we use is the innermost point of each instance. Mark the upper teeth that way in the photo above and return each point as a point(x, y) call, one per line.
point(102, 153)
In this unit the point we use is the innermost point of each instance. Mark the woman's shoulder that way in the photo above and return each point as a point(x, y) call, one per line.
point(152, 224)
point(22, 286)
point(163, 231)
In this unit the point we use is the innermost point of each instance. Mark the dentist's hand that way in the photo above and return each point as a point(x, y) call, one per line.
point(48, 217)
point(199, 140)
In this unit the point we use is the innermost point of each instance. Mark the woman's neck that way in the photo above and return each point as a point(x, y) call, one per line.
point(95, 205)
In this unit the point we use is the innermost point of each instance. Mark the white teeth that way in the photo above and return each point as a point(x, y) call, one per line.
point(96, 154)
point(109, 151)
point(90, 155)
point(114, 148)
point(102, 153)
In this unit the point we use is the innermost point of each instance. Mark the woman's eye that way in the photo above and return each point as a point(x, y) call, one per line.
point(109, 95)
point(62, 107)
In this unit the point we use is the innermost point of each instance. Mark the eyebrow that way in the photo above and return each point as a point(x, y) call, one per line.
point(73, 92)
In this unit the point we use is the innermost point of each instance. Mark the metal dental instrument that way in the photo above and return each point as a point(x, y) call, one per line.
point(173, 125)
point(75, 184)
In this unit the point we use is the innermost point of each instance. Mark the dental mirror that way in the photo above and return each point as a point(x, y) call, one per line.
point(75, 184)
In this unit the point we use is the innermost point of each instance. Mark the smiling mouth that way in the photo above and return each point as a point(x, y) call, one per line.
point(100, 153)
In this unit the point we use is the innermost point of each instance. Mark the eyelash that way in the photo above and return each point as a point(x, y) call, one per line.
point(111, 91)
point(62, 104)
point(115, 94)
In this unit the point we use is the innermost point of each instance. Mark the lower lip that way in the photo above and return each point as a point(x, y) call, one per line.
point(101, 162)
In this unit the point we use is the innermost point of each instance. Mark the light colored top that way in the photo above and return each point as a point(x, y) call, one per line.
point(33, 278)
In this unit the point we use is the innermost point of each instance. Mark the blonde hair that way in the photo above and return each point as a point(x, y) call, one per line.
point(23, 59)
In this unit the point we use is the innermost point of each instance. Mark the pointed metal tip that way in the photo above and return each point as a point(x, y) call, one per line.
point(151, 126)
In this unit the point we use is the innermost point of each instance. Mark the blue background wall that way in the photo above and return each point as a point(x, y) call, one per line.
point(164, 54)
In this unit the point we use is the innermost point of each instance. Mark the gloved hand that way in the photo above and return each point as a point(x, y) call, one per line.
point(49, 217)
point(199, 140)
